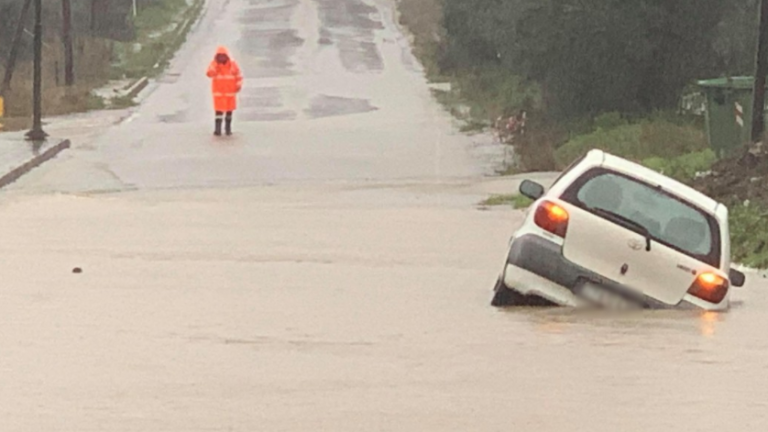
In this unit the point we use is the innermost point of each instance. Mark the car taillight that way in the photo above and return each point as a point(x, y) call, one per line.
point(551, 217)
point(710, 287)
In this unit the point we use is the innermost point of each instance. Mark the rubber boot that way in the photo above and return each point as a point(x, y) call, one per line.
point(217, 131)
point(228, 124)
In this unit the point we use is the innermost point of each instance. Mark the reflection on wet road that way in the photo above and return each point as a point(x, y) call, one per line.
point(330, 93)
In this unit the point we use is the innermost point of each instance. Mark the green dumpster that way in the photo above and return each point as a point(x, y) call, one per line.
point(729, 113)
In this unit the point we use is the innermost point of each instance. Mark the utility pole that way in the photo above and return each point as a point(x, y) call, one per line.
point(37, 133)
point(761, 70)
point(11, 65)
point(69, 66)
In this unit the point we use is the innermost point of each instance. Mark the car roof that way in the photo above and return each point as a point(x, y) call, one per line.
point(607, 160)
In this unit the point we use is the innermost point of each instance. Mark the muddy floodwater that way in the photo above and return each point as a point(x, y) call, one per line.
point(335, 309)
point(326, 268)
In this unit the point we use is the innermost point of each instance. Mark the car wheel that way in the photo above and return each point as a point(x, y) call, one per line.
point(503, 296)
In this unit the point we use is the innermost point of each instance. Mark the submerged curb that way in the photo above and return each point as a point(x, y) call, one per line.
point(136, 88)
point(32, 163)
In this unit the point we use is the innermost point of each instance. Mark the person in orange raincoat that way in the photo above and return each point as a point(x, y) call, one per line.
point(226, 83)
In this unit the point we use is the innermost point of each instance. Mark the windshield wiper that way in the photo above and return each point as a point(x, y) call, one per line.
point(627, 223)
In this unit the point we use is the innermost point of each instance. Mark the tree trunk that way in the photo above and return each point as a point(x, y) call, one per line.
point(69, 66)
point(11, 65)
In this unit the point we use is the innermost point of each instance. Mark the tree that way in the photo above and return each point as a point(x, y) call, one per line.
point(593, 56)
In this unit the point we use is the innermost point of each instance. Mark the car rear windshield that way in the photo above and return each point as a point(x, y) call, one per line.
point(648, 210)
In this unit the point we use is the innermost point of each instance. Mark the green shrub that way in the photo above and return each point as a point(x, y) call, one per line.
point(683, 168)
point(491, 92)
point(749, 235)
point(155, 16)
point(665, 139)
point(639, 141)
point(94, 102)
point(609, 120)
point(120, 102)
point(621, 141)
point(517, 201)
point(498, 200)
point(521, 202)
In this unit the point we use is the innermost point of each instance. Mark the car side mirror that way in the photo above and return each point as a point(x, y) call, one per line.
point(531, 189)
point(737, 278)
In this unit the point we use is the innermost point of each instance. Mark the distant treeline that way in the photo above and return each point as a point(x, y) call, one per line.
point(593, 56)
point(109, 19)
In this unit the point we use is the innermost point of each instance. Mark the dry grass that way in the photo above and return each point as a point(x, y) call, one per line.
point(91, 70)
point(535, 151)
point(536, 155)
point(15, 123)
point(95, 64)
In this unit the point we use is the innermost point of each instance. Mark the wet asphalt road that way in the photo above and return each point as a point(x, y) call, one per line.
point(327, 268)
point(331, 92)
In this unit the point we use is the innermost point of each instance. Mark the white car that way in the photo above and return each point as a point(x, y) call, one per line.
point(612, 233)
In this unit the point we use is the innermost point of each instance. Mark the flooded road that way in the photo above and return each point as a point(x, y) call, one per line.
point(334, 309)
point(325, 269)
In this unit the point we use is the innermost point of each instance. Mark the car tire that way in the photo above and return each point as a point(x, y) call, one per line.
point(503, 296)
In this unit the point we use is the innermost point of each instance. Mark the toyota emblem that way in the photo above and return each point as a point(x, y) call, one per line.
point(635, 245)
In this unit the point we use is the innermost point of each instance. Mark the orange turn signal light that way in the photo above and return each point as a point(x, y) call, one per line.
point(552, 217)
point(711, 280)
point(710, 287)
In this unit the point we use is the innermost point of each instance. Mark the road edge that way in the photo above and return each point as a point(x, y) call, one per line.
point(136, 87)
point(34, 162)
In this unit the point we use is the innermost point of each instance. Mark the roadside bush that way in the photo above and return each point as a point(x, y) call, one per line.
point(121, 102)
point(56, 100)
point(683, 168)
point(666, 139)
point(639, 142)
point(493, 91)
point(535, 152)
point(609, 120)
point(749, 236)
point(623, 141)
point(517, 201)
point(423, 18)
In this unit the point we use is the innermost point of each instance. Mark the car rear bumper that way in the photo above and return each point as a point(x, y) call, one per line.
point(531, 284)
point(537, 266)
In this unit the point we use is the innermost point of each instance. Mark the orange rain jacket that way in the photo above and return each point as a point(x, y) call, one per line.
point(226, 82)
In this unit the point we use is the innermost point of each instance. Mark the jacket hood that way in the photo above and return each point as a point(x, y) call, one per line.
point(222, 50)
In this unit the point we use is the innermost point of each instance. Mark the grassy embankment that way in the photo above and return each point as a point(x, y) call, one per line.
point(517, 201)
point(670, 144)
point(160, 31)
point(477, 96)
